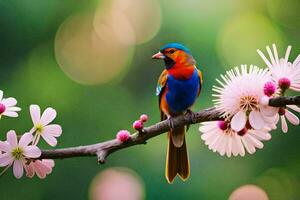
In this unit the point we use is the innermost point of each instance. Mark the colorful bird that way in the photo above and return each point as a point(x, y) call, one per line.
point(178, 87)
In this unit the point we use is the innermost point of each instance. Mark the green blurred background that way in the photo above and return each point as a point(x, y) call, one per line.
point(91, 61)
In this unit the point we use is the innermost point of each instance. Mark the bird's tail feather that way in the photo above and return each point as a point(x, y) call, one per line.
point(177, 161)
point(178, 136)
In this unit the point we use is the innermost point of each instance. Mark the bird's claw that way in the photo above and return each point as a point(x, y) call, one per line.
point(192, 115)
point(171, 123)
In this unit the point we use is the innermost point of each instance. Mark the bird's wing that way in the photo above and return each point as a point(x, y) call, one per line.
point(161, 85)
point(200, 82)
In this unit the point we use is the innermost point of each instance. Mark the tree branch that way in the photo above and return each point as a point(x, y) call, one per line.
point(103, 149)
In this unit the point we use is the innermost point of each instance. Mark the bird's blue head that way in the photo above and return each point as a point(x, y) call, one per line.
point(175, 46)
point(175, 53)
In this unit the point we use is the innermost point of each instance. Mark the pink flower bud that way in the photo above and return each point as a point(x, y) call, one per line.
point(2, 108)
point(269, 88)
point(284, 83)
point(222, 125)
point(123, 135)
point(144, 117)
point(138, 125)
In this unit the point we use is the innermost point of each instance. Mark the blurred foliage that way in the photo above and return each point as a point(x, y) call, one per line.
point(220, 34)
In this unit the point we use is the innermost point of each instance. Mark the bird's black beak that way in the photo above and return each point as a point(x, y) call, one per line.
point(159, 55)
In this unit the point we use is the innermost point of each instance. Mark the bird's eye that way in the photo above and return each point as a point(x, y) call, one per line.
point(171, 51)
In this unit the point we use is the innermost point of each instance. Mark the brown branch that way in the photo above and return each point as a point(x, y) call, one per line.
point(104, 149)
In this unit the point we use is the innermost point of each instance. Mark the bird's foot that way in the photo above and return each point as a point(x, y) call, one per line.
point(192, 115)
point(171, 122)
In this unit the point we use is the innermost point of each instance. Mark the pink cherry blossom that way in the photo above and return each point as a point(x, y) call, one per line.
point(285, 74)
point(239, 97)
point(41, 168)
point(42, 126)
point(123, 135)
point(15, 153)
point(222, 139)
point(8, 106)
point(286, 115)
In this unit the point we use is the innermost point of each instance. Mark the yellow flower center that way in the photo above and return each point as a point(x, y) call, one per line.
point(249, 103)
point(39, 128)
point(17, 153)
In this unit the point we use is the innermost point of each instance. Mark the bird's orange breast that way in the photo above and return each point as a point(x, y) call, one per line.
point(181, 72)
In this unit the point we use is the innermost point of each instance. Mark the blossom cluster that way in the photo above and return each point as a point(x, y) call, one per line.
point(124, 135)
point(242, 98)
point(24, 153)
point(139, 124)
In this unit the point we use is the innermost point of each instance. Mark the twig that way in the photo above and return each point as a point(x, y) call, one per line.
point(103, 149)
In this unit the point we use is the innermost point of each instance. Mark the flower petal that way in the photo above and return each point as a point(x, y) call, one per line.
point(10, 113)
point(13, 108)
point(208, 135)
point(48, 116)
point(25, 139)
point(51, 140)
point(213, 144)
point(269, 111)
point(53, 129)
point(5, 159)
point(42, 168)
point(9, 102)
point(260, 134)
point(255, 142)
point(238, 121)
point(241, 149)
point(32, 151)
point(294, 107)
point(284, 126)
point(292, 117)
point(29, 169)
point(4, 146)
point(18, 169)
point(256, 120)
point(248, 145)
point(271, 122)
point(35, 113)
point(1, 95)
point(222, 145)
point(49, 163)
point(264, 100)
point(229, 147)
point(12, 138)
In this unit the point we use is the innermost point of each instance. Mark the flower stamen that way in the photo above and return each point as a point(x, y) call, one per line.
point(248, 103)
point(17, 153)
point(39, 128)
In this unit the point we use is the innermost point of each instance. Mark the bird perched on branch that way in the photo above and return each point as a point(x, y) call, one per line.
point(178, 87)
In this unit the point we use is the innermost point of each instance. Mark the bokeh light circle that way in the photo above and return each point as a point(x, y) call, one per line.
point(117, 183)
point(133, 21)
point(248, 192)
point(279, 184)
point(286, 12)
point(243, 35)
point(87, 57)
